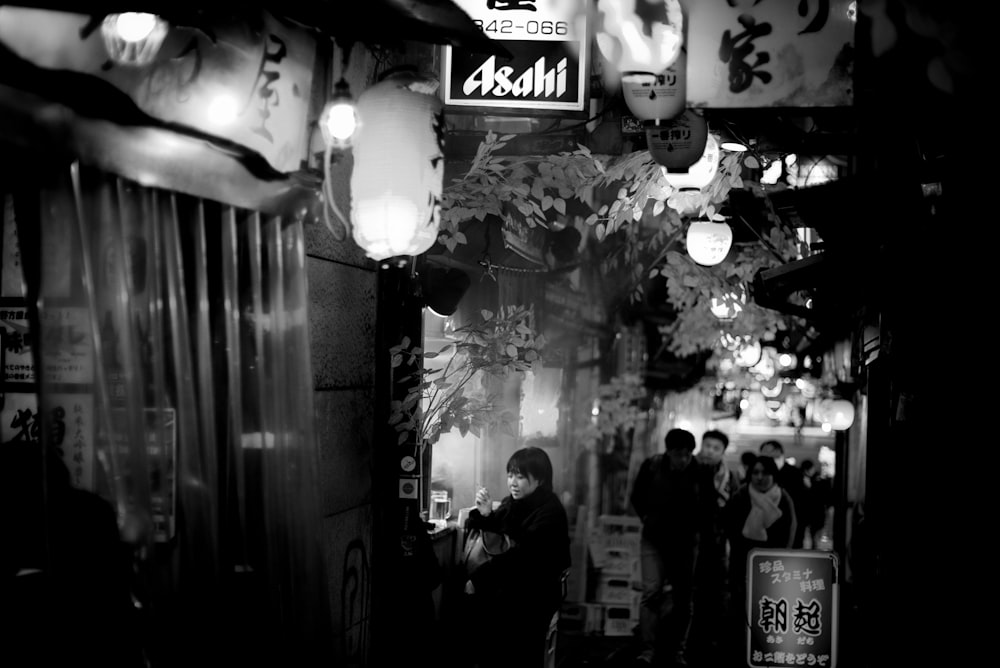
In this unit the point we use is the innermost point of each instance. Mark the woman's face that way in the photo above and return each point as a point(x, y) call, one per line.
point(521, 485)
point(760, 478)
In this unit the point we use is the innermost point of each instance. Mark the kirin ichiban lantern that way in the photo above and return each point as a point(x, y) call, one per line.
point(398, 174)
point(708, 242)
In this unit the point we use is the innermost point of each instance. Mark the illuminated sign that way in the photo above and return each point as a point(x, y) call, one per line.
point(548, 42)
point(792, 608)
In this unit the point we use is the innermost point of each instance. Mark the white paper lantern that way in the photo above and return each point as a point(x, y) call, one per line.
point(728, 306)
point(701, 173)
point(133, 38)
point(398, 171)
point(660, 96)
point(640, 41)
point(708, 242)
point(840, 414)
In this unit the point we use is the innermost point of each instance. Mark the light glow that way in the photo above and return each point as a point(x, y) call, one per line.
point(135, 26)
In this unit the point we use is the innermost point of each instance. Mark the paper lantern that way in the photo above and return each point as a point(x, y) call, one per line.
point(398, 171)
point(640, 35)
point(701, 173)
point(660, 96)
point(133, 38)
point(708, 242)
point(729, 306)
point(748, 354)
point(678, 143)
point(839, 413)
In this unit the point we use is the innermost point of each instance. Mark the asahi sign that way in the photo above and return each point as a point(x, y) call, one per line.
point(548, 42)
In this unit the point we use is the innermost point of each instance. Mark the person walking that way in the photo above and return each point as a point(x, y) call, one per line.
point(711, 589)
point(512, 597)
point(791, 479)
point(673, 497)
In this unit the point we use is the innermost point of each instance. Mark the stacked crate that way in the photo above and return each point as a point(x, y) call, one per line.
point(615, 553)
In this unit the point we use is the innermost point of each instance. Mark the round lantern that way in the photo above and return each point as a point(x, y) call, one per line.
point(640, 35)
point(678, 143)
point(839, 413)
point(657, 96)
point(701, 173)
point(133, 38)
point(729, 306)
point(708, 242)
point(398, 171)
point(748, 354)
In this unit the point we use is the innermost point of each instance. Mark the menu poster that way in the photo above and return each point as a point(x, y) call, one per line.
point(18, 343)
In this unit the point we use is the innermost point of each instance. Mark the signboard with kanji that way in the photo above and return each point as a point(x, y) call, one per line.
point(792, 608)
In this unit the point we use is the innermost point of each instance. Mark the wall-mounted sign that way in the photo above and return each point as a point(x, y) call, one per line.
point(780, 53)
point(792, 608)
point(550, 68)
point(247, 84)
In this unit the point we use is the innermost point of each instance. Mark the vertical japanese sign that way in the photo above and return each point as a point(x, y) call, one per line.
point(550, 68)
point(770, 53)
point(71, 420)
point(792, 608)
point(18, 343)
point(12, 284)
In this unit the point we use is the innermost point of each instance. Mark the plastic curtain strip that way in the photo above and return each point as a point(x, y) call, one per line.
point(195, 389)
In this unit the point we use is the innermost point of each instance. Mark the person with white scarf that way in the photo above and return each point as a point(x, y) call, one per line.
point(760, 514)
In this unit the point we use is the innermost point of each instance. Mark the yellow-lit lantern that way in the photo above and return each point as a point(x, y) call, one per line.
point(640, 35)
point(133, 38)
point(398, 174)
point(661, 96)
point(708, 242)
point(748, 354)
point(701, 173)
point(678, 143)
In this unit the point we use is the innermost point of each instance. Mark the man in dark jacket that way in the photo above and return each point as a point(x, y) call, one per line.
point(673, 497)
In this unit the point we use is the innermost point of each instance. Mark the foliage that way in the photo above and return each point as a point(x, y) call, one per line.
point(443, 398)
point(638, 216)
point(618, 408)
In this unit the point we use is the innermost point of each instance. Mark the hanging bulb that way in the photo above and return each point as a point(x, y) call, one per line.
point(339, 119)
point(133, 38)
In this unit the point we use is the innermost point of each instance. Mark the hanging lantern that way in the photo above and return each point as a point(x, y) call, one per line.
point(728, 306)
point(133, 38)
point(339, 119)
point(398, 171)
point(708, 242)
point(839, 413)
point(748, 354)
point(678, 143)
point(660, 96)
point(640, 35)
point(701, 173)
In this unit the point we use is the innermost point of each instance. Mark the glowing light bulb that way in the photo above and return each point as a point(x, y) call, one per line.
point(135, 26)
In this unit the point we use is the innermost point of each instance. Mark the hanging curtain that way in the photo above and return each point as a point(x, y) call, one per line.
point(175, 364)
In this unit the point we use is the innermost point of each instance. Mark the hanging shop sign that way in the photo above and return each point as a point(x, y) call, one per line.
point(549, 68)
point(792, 608)
point(780, 53)
point(245, 85)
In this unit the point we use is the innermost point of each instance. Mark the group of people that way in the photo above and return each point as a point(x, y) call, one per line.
point(700, 519)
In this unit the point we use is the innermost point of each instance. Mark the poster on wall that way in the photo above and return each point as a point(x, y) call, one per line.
point(68, 350)
point(778, 53)
point(18, 343)
point(71, 419)
point(19, 421)
point(12, 284)
point(550, 68)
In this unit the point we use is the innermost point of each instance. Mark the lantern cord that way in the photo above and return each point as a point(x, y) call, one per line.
point(341, 230)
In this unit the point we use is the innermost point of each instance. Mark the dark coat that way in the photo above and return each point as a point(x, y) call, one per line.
point(779, 535)
point(518, 592)
point(676, 507)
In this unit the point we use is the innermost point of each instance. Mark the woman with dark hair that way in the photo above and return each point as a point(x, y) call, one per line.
point(514, 595)
point(760, 514)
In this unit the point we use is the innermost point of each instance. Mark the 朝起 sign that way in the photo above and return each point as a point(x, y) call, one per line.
point(792, 608)
point(549, 68)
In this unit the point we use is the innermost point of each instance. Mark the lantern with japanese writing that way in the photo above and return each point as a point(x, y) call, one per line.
point(701, 173)
point(640, 35)
point(398, 171)
point(679, 143)
point(657, 96)
point(708, 242)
